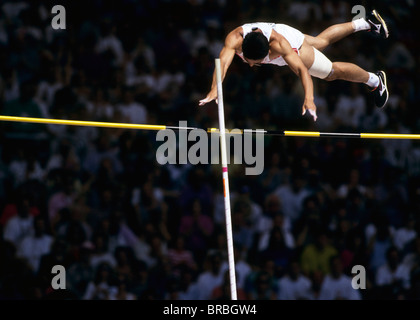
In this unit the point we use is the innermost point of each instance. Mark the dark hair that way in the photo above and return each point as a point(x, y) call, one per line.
point(255, 46)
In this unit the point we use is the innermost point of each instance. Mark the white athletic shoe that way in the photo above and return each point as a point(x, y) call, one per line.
point(381, 93)
point(377, 24)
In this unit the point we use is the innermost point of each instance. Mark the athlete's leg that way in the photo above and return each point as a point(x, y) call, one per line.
point(339, 31)
point(353, 73)
point(330, 35)
point(320, 66)
point(349, 72)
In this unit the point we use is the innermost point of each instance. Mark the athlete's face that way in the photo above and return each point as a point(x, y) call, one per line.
point(252, 63)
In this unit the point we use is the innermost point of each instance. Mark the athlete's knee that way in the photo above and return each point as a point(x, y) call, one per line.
point(321, 43)
point(334, 73)
point(331, 76)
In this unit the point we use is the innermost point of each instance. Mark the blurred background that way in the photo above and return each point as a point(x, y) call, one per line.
point(96, 201)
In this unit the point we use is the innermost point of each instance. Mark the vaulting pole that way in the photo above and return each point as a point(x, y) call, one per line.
point(226, 192)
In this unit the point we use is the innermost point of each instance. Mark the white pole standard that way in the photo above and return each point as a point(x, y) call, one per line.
point(228, 218)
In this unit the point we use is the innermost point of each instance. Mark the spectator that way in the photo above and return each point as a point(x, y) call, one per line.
point(352, 183)
point(355, 251)
point(393, 277)
point(197, 229)
point(158, 250)
point(161, 277)
point(274, 175)
point(292, 196)
point(211, 277)
point(125, 258)
point(58, 255)
point(24, 106)
point(277, 250)
point(223, 292)
point(99, 108)
point(101, 251)
point(261, 287)
point(25, 167)
point(33, 247)
point(132, 111)
point(412, 262)
point(196, 188)
point(406, 234)
point(21, 225)
point(110, 45)
point(294, 285)
point(251, 210)
point(242, 232)
point(187, 285)
point(379, 238)
point(80, 273)
point(336, 285)
point(118, 230)
point(316, 256)
point(140, 285)
point(179, 256)
point(102, 287)
point(60, 199)
point(122, 292)
point(242, 267)
point(350, 108)
point(278, 222)
point(13, 206)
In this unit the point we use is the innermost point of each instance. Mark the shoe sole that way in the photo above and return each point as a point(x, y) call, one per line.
point(386, 87)
point(382, 21)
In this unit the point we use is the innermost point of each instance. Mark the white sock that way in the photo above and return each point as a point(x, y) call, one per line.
point(360, 24)
point(373, 81)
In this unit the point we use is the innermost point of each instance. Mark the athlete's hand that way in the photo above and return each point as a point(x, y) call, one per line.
point(210, 97)
point(309, 105)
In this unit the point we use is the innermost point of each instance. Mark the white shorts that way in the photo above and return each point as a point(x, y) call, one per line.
point(321, 67)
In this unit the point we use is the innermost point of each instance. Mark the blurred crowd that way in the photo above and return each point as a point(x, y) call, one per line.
point(96, 201)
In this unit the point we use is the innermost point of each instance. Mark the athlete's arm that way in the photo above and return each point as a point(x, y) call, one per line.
point(233, 41)
point(282, 47)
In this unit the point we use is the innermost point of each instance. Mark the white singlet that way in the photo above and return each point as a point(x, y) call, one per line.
point(292, 35)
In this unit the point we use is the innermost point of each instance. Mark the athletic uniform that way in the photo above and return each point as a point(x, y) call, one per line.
point(321, 67)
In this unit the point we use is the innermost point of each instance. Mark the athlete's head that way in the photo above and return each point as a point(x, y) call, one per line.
point(255, 46)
